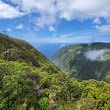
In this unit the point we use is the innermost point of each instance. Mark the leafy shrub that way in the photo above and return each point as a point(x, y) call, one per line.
point(43, 103)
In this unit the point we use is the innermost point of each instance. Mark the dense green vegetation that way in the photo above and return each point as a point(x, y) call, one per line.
point(18, 50)
point(25, 86)
point(72, 59)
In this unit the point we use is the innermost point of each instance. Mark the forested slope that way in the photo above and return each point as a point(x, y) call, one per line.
point(85, 61)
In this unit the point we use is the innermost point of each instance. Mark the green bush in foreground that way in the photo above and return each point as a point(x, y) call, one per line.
point(43, 103)
point(28, 88)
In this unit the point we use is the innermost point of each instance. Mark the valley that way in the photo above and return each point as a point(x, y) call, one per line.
point(29, 81)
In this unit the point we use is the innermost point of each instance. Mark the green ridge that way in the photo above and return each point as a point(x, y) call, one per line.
point(78, 65)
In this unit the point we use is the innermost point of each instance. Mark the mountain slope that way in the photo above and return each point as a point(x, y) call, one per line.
point(12, 49)
point(36, 86)
point(84, 61)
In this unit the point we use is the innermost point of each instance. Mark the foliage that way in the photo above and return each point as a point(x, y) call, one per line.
point(12, 49)
point(43, 103)
point(29, 87)
point(72, 60)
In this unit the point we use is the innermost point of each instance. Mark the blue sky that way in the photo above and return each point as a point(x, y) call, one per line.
point(56, 23)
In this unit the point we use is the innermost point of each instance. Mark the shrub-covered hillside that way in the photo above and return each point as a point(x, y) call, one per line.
point(25, 86)
point(85, 61)
point(28, 88)
point(18, 50)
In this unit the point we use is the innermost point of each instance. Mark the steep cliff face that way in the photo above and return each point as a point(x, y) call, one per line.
point(84, 61)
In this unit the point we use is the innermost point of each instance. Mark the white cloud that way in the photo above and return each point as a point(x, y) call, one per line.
point(103, 28)
point(40, 6)
point(8, 12)
point(52, 29)
point(45, 20)
point(83, 9)
point(78, 52)
point(8, 29)
point(62, 45)
point(78, 37)
point(67, 9)
point(96, 55)
point(97, 21)
point(20, 26)
point(48, 11)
